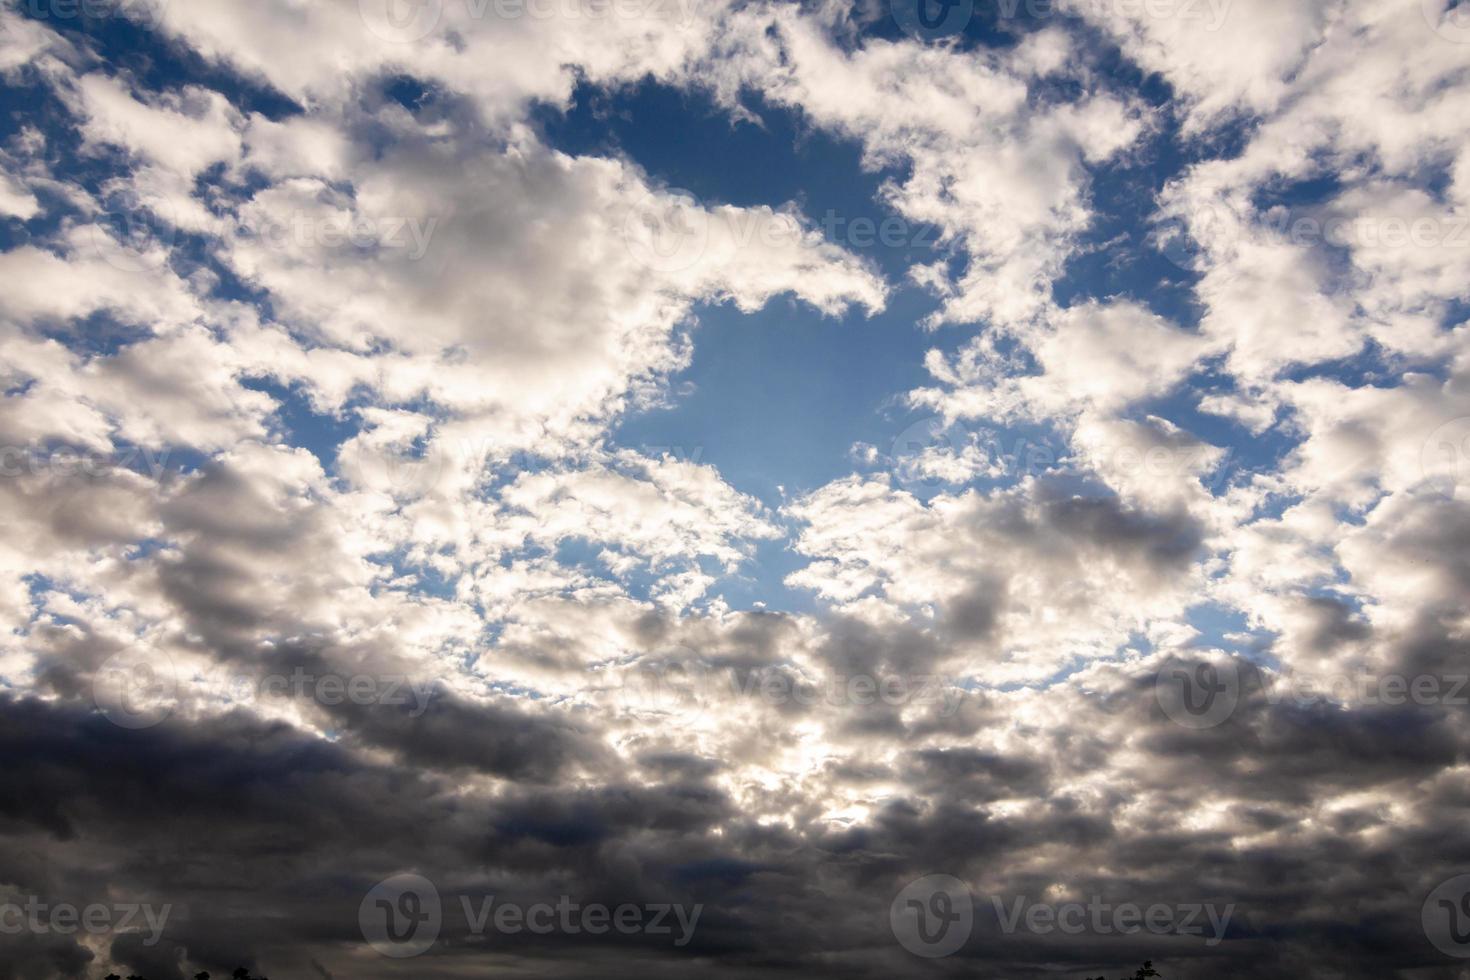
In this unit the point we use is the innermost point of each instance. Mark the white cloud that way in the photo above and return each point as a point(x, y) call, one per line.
point(345, 387)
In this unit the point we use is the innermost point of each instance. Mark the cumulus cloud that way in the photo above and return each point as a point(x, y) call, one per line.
point(330, 558)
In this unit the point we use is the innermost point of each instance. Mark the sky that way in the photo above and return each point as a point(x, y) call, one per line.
point(651, 488)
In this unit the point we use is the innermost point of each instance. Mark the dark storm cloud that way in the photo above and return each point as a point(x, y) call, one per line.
point(1160, 542)
point(30, 956)
point(498, 739)
point(1334, 624)
point(268, 835)
point(977, 775)
point(275, 820)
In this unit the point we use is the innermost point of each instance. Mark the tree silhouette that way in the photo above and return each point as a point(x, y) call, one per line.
point(1144, 972)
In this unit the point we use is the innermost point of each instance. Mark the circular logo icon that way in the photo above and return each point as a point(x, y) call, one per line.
point(400, 917)
point(932, 20)
point(1198, 695)
point(932, 917)
point(136, 688)
point(919, 451)
point(130, 236)
point(668, 234)
point(1450, 19)
point(401, 21)
point(644, 687)
point(1445, 458)
point(406, 472)
point(1446, 917)
point(1207, 230)
point(676, 680)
